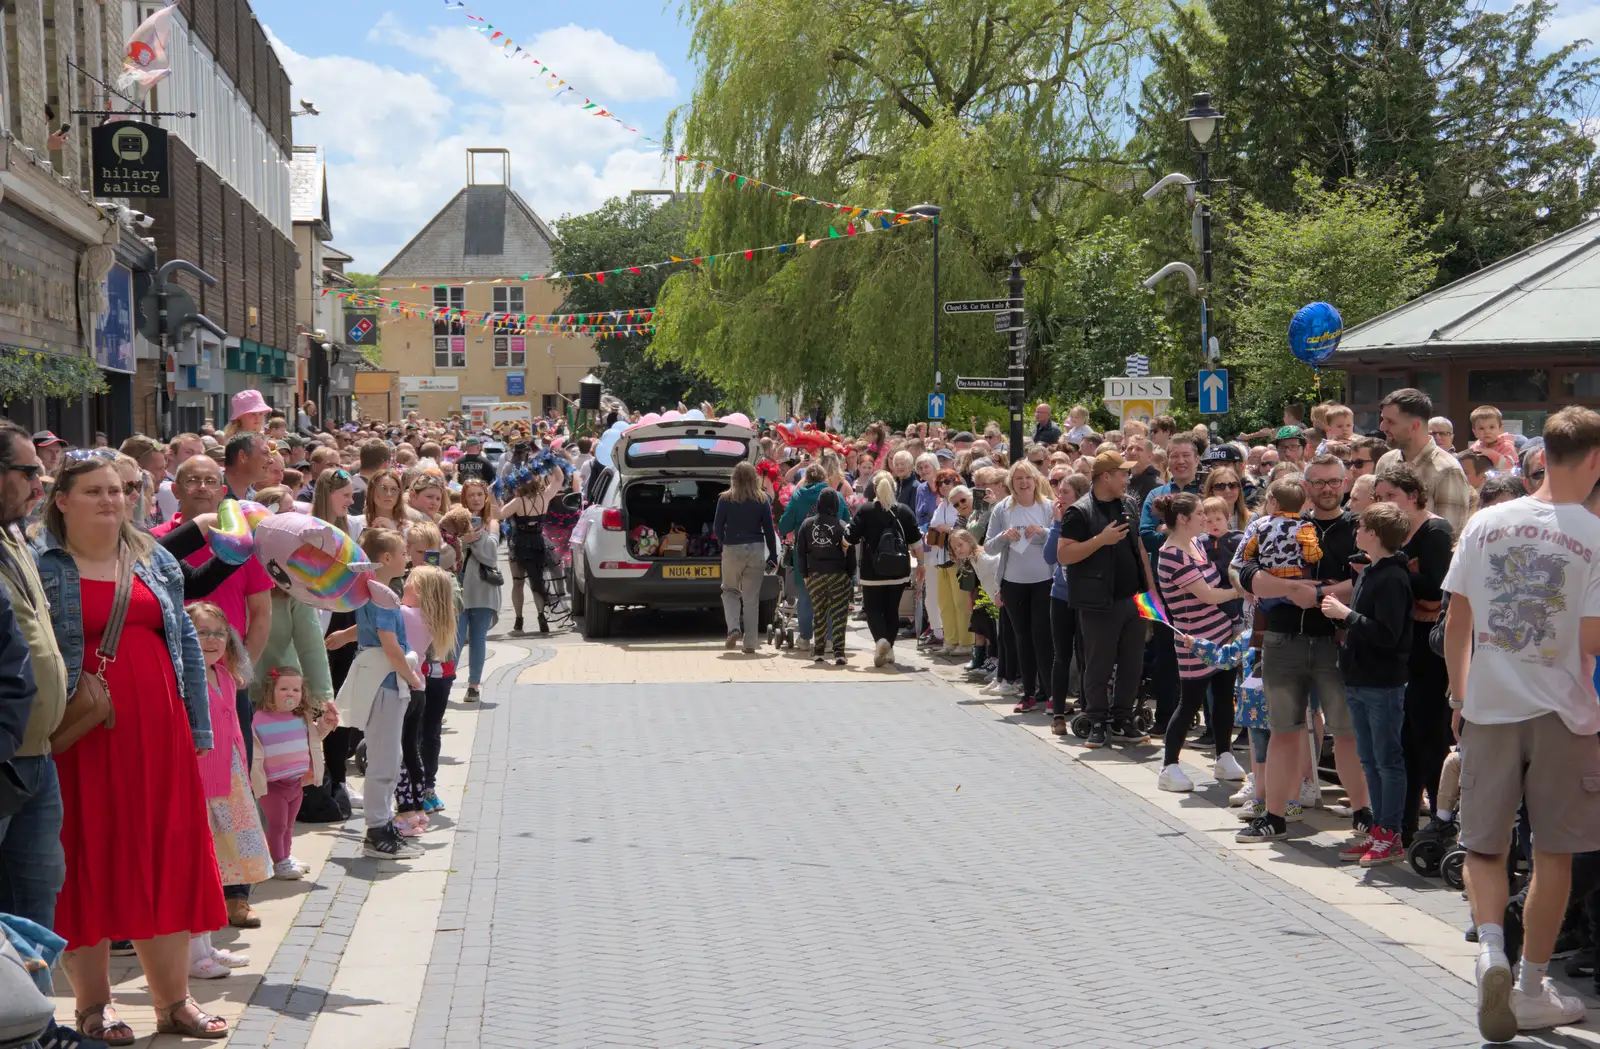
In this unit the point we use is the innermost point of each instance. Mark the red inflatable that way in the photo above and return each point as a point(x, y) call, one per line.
point(811, 439)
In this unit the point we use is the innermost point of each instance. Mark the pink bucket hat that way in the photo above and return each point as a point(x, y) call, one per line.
point(247, 401)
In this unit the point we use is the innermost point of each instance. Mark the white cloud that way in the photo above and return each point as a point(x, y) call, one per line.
point(396, 141)
point(1576, 20)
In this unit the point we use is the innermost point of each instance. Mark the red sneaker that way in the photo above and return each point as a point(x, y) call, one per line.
point(1027, 704)
point(1385, 848)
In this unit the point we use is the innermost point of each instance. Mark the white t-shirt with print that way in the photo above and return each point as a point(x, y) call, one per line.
point(1532, 572)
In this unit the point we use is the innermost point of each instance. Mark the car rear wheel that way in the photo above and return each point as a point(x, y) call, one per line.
point(596, 615)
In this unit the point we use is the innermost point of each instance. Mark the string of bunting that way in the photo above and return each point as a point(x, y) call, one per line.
point(511, 49)
point(852, 229)
point(361, 299)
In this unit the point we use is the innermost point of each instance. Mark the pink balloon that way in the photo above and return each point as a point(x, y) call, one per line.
point(738, 419)
point(670, 416)
point(645, 420)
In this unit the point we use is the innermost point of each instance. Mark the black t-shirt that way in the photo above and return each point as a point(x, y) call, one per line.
point(1046, 433)
point(474, 467)
point(1126, 579)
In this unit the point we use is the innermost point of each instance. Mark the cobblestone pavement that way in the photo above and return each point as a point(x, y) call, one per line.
point(848, 859)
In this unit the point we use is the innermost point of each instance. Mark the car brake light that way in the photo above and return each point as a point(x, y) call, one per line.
point(611, 520)
point(614, 565)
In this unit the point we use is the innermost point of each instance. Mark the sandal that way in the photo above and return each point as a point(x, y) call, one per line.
point(204, 1025)
point(93, 1023)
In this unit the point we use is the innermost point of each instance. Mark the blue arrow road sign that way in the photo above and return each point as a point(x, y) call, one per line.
point(1214, 392)
point(935, 407)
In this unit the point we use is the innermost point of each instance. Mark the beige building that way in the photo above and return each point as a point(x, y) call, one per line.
point(486, 232)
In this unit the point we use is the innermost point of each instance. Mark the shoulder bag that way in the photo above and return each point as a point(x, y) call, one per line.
point(892, 559)
point(488, 573)
point(90, 703)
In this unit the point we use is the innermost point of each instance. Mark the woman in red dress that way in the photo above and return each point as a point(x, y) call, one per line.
point(140, 863)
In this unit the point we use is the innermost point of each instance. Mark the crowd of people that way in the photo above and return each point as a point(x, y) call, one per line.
point(1296, 583)
point(167, 716)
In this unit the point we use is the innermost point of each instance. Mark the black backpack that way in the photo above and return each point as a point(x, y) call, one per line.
point(825, 551)
point(892, 559)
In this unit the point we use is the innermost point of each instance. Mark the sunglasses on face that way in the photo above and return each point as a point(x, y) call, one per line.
point(32, 473)
point(1230, 486)
point(132, 488)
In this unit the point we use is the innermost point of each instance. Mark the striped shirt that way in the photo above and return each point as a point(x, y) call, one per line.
point(285, 745)
point(1175, 571)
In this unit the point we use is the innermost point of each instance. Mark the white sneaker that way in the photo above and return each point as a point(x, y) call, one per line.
point(229, 958)
point(880, 654)
point(1496, 1020)
point(993, 688)
point(1010, 688)
point(355, 799)
point(1246, 793)
point(1310, 794)
point(1228, 770)
point(288, 870)
point(1548, 1008)
point(1173, 779)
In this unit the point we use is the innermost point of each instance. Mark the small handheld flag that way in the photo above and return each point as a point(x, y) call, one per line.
point(1150, 608)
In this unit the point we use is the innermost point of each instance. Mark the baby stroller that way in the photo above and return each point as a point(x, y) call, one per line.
point(1144, 718)
point(780, 632)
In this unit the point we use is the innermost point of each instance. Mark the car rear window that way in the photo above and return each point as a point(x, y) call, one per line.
point(687, 452)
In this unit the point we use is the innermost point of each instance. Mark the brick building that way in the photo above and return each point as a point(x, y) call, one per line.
point(229, 209)
point(57, 247)
point(486, 231)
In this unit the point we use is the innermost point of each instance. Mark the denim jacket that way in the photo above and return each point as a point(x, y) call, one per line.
point(59, 574)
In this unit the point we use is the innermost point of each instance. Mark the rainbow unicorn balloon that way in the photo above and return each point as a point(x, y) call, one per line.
point(308, 559)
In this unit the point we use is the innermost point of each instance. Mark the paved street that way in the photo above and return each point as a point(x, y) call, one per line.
point(652, 842)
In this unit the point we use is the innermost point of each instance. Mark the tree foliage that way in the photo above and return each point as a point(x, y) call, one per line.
point(999, 111)
point(1360, 247)
point(1101, 314)
point(624, 229)
point(1457, 101)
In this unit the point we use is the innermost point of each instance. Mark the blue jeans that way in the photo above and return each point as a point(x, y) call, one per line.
point(1377, 715)
point(472, 637)
point(802, 604)
point(33, 865)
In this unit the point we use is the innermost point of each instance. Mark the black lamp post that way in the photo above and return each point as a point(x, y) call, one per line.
point(1202, 121)
point(931, 212)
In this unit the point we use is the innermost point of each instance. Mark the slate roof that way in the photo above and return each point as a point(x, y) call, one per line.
point(485, 231)
point(1541, 298)
point(308, 189)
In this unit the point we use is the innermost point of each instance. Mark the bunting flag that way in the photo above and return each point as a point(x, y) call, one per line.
point(545, 75)
point(611, 322)
point(738, 254)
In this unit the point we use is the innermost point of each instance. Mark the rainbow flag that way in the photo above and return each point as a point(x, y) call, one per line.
point(1150, 608)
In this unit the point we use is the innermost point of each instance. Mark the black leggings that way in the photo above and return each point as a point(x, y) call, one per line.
point(1425, 738)
point(881, 603)
point(1064, 631)
point(1194, 691)
point(337, 746)
point(409, 789)
point(1028, 605)
point(436, 697)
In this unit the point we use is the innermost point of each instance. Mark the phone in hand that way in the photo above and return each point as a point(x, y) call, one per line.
point(431, 557)
point(477, 521)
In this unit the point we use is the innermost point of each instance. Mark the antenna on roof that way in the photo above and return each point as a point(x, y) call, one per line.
point(472, 165)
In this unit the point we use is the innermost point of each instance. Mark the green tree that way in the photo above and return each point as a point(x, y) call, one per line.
point(1101, 314)
point(621, 230)
point(1003, 112)
point(363, 281)
point(1457, 100)
point(1360, 247)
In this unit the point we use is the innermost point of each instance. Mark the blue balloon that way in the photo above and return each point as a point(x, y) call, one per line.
point(1314, 333)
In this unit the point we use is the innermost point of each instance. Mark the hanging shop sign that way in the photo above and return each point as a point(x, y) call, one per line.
point(130, 160)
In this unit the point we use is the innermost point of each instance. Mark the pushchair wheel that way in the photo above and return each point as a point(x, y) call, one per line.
point(788, 639)
point(1081, 726)
point(1427, 857)
point(1144, 719)
point(1453, 868)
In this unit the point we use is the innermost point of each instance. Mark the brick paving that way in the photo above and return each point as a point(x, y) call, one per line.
point(859, 861)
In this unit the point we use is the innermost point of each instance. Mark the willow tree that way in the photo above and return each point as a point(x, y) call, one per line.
point(998, 111)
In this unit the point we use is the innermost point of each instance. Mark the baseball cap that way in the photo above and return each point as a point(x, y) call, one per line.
point(963, 436)
point(44, 438)
point(1222, 453)
point(944, 453)
point(1289, 433)
point(467, 442)
point(1108, 461)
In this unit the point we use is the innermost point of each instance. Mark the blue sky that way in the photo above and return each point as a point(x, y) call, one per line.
point(404, 88)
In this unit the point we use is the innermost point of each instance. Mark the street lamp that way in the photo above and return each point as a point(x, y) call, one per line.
point(1201, 122)
point(931, 212)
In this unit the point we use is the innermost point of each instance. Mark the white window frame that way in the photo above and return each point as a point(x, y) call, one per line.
point(503, 299)
point(505, 356)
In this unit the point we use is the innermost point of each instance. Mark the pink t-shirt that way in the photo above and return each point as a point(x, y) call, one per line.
point(250, 579)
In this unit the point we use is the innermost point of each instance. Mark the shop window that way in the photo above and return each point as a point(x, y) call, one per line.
point(1367, 388)
point(1508, 386)
point(510, 351)
point(449, 351)
point(1432, 384)
point(1576, 386)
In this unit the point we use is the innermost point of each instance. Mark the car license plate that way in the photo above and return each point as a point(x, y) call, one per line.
point(691, 571)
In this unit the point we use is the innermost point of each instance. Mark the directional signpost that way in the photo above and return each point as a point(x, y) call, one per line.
point(1213, 387)
point(935, 407)
point(983, 306)
point(987, 384)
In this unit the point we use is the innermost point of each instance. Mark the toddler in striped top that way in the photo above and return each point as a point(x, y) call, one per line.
point(288, 752)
